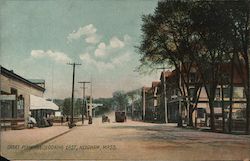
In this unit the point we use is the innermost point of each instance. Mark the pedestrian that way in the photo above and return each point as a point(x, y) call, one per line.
point(90, 120)
point(61, 120)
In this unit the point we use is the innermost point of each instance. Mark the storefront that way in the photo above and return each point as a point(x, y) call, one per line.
point(15, 99)
point(42, 110)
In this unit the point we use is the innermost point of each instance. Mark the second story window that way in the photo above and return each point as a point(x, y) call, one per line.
point(217, 93)
point(192, 78)
point(191, 90)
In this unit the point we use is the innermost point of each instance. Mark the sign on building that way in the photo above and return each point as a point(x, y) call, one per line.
point(7, 97)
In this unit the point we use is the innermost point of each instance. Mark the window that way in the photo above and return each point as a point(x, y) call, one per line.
point(238, 92)
point(217, 93)
point(201, 112)
point(191, 90)
point(226, 92)
point(20, 107)
point(192, 78)
point(6, 109)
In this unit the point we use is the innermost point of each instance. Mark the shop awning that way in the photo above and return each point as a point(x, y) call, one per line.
point(37, 103)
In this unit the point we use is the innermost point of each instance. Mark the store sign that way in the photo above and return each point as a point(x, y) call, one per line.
point(7, 97)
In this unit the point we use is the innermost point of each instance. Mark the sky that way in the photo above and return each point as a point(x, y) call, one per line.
point(39, 37)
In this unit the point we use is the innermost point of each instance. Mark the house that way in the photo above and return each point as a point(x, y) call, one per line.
point(151, 109)
point(172, 91)
point(15, 98)
point(198, 99)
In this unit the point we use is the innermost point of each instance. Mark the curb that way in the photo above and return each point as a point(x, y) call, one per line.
point(47, 140)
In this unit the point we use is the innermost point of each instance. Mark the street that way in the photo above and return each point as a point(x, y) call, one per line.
point(127, 141)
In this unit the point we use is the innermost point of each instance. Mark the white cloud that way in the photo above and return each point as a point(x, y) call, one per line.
point(121, 59)
point(115, 62)
point(116, 43)
point(86, 58)
point(88, 31)
point(127, 38)
point(54, 55)
point(101, 50)
point(92, 39)
point(102, 45)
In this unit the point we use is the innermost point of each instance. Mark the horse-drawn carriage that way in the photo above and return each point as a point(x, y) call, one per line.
point(105, 118)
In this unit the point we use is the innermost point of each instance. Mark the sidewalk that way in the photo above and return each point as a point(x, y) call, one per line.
point(31, 137)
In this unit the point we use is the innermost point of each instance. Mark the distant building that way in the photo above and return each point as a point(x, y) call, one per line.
point(15, 98)
point(151, 109)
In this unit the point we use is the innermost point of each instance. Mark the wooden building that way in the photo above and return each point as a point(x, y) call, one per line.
point(15, 99)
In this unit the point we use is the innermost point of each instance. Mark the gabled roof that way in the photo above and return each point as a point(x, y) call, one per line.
point(167, 73)
point(11, 74)
point(146, 89)
point(155, 83)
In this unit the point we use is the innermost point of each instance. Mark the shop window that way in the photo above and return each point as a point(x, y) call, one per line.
point(6, 109)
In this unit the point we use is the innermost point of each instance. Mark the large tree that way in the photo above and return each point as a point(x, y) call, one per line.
point(240, 22)
point(120, 100)
point(200, 33)
point(166, 38)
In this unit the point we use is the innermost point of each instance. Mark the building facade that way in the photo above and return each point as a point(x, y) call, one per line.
point(15, 98)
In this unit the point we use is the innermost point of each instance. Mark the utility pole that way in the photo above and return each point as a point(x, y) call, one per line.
point(72, 97)
point(84, 99)
point(165, 94)
point(90, 99)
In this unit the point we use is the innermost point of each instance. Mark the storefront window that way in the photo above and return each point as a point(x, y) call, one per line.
point(6, 109)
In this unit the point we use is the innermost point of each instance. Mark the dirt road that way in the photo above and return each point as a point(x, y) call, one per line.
point(137, 141)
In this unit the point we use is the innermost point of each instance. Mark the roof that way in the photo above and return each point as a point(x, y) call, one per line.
point(37, 81)
point(146, 88)
point(156, 83)
point(11, 74)
point(37, 103)
point(167, 73)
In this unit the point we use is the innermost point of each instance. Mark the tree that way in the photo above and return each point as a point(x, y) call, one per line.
point(212, 46)
point(120, 100)
point(167, 38)
point(66, 106)
point(188, 33)
point(240, 18)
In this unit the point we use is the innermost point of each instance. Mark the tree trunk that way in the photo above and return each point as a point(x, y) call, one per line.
point(212, 124)
point(222, 108)
point(231, 96)
point(190, 121)
point(248, 98)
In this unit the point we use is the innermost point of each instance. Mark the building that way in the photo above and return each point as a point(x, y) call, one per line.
point(150, 99)
point(178, 104)
point(15, 98)
point(172, 91)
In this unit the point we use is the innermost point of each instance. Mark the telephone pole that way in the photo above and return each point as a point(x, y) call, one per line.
point(72, 97)
point(84, 99)
point(165, 94)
